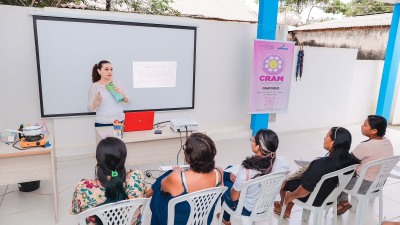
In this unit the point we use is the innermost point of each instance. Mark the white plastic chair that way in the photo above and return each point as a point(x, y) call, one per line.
point(375, 190)
point(395, 172)
point(344, 175)
point(120, 213)
point(270, 186)
point(200, 203)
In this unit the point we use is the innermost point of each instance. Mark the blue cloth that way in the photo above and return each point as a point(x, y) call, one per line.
point(159, 206)
point(227, 198)
point(105, 124)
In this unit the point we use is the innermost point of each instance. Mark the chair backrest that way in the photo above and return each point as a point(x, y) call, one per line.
point(386, 165)
point(395, 172)
point(120, 213)
point(269, 184)
point(344, 175)
point(200, 203)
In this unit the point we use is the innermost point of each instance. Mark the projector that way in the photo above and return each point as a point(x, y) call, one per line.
point(182, 125)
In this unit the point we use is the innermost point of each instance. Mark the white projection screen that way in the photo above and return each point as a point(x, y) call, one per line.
point(68, 48)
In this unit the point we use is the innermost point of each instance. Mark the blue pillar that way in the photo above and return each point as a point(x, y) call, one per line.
point(390, 67)
point(267, 17)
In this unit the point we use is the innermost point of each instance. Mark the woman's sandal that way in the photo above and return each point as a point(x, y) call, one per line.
point(278, 209)
point(342, 207)
point(223, 221)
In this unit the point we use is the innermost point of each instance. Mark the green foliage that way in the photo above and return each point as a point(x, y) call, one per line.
point(37, 3)
point(158, 7)
point(299, 5)
point(337, 7)
point(354, 8)
point(161, 7)
point(363, 7)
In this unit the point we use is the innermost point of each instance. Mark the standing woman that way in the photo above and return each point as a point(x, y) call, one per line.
point(100, 99)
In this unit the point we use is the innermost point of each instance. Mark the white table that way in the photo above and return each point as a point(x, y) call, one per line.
point(17, 166)
point(148, 147)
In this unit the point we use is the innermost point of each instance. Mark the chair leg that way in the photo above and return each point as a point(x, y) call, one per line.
point(380, 207)
point(319, 212)
point(334, 209)
point(306, 215)
point(282, 213)
point(362, 208)
point(354, 203)
point(315, 217)
point(246, 220)
point(221, 214)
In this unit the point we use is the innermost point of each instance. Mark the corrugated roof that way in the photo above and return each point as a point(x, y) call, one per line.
point(222, 9)
point(383, 19)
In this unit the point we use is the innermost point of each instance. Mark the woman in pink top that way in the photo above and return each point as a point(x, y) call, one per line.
point(375, 148)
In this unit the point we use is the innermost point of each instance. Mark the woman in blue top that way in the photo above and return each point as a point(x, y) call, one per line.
point(199, 152)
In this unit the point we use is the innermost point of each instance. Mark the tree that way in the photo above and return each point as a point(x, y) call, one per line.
point(363, 7)
point(354, 8)
point(158, 7)
point(337, 7)
point(37, 3)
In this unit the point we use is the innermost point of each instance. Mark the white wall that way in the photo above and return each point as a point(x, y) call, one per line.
point(322, 96)
point(395, 119)
point(223, 63)
point(365, 89)
point(327, 96)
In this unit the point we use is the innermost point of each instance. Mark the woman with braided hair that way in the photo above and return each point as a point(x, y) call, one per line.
point(112, 184)
point(264, 145)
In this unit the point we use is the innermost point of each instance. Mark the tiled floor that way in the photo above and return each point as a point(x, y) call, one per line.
point(36, 208)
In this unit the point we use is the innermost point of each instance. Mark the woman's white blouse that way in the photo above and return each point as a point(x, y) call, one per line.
point(108, 110)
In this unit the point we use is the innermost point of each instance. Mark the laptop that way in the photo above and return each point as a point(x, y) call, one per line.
point(135, 121)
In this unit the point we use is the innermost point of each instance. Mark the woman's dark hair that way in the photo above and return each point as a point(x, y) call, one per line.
point(200, 152)
point(111, 156)
point(268, 142)
point(341, 146)
point(379, 123)
point(95, 74)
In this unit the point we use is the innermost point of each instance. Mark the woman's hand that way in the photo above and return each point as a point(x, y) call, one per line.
point(97, 101)
point(232, 177)
point(118, 90)
point(300, 192)
point(99, 98)
point(289, 197)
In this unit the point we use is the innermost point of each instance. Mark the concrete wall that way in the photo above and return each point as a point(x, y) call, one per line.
point(327, 96)
point(370, 41)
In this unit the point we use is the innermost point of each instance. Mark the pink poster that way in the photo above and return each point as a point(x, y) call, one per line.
point(270, 81)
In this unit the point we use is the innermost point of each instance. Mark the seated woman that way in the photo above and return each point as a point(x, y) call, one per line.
point(199, 152)
point(375, 148)
point(264, 145)
point(337, 142)
point(113, 183)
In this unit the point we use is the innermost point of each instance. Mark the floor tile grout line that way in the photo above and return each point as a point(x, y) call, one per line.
point(3, 195)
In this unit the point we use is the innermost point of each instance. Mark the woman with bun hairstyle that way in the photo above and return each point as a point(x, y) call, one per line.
point(113, 182)
point(101, 100)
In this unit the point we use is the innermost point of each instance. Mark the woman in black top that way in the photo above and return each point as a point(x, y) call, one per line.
point(337, 142)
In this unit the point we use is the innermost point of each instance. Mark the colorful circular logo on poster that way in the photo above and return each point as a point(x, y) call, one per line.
point(273, 64)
